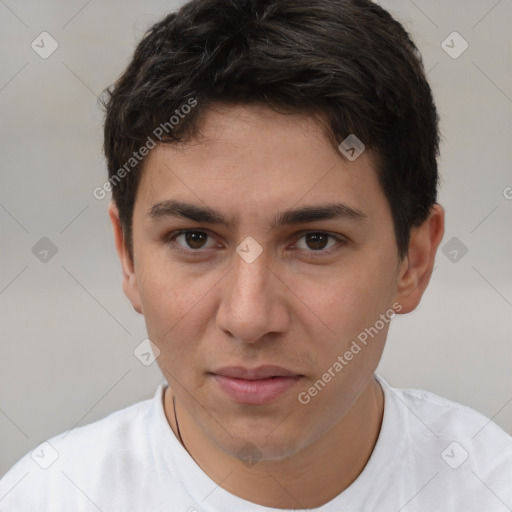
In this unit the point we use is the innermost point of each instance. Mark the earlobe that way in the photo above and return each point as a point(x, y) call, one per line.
point(130, 286)
point(417, 267)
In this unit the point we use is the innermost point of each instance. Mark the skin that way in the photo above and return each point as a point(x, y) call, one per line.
point(297, 305)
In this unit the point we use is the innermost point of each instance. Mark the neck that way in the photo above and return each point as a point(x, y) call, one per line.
point(308, 479)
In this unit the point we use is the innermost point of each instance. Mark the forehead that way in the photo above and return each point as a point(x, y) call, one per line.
point(252, 160)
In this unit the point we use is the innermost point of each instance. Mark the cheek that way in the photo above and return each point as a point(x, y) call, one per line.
point(342, 314)
point(170, 304)
point(346, 300)
point(166, 296)
point(177, 306)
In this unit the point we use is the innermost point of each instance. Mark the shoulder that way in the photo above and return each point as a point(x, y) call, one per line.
point(460, 434)
point(89, 454)
point(444, 415)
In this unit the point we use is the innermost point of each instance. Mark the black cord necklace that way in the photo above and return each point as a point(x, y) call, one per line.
point(176, 420)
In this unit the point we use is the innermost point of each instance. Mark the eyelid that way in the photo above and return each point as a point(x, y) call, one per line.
point(340, 242)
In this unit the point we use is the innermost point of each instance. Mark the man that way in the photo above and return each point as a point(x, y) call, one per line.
point(274, 179)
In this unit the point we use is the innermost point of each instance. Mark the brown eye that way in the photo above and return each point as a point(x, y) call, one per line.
point(195, 239)
point(191, 240)
point(317, 241)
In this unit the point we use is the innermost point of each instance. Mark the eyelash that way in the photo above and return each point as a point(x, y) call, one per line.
point(341, 241)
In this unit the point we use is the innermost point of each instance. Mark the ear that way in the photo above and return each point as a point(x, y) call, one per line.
point(417, 266)
point(130, 286)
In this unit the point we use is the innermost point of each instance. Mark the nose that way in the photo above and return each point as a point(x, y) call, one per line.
point(253, 301)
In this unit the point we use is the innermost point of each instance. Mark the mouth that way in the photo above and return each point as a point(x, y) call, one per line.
point(257, 386)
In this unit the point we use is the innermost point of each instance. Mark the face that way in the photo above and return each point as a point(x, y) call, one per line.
point(260, 256)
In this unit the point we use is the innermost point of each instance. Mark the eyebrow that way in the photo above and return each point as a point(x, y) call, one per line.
point(179, 209)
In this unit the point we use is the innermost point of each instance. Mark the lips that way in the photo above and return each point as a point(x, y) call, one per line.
point(262, 372)
point(256, 386)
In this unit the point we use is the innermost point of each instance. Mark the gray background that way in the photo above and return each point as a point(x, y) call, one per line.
point(67, 333)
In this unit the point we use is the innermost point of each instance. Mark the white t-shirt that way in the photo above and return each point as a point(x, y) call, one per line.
point(432, 455)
